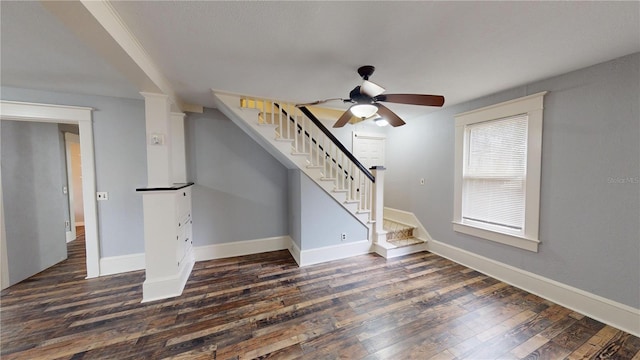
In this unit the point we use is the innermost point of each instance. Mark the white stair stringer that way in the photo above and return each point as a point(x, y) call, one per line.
point(268, 136)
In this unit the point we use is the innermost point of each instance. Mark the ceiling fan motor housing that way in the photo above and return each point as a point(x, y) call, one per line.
point(366, 71)
point(356, 96)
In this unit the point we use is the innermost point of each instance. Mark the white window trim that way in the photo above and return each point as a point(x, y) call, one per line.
point(531, 105)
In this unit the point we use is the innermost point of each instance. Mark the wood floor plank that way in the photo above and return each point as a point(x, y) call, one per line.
point(419, 306)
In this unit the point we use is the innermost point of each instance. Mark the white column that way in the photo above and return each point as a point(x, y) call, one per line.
point(159, 154)
point(178, 152)
point(379, 235)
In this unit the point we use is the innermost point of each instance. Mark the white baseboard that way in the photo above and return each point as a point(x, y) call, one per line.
point(239, 248)
point(119, 264)
point(69, 236)
point(168, 287)
point(392, 252)
point(334, 252)
point(302, 257)
point(618, 315)
point(295, 252)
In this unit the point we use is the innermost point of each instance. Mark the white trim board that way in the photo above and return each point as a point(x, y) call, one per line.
point(164, 288)
point(294, 250)
point(120, 264)
point(302, 257)
point(618, 315)
point(240, 248)
point(390, 253)
point(333, 252)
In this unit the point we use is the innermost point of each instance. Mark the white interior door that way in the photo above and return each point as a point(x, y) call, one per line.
point(369, 149)
point(33, 199)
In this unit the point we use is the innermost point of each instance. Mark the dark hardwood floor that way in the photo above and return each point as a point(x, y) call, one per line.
point(419, 306)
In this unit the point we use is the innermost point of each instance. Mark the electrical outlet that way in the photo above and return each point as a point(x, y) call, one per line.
point(102, 195)
point(343, 237)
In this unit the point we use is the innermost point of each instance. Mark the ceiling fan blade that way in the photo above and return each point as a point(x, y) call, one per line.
point(344, 119)
point(391, 117)
point(371, 89)
point(412, 99)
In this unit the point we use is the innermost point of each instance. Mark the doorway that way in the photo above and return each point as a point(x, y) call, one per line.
point(21, 111)
point(74, 183)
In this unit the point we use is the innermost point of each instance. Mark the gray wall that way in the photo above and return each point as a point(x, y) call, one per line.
point(241, 191)
point(590, 191)
point(321, 219)
point(34, 205)
point(120, 157)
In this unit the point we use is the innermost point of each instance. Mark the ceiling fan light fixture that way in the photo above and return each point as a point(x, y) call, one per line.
point(381, 121)
point(371, 89)
point(364, 111)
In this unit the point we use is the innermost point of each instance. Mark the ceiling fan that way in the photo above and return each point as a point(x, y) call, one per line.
point(366, 100)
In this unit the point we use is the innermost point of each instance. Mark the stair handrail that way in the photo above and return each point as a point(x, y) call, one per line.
point(313, 140)
point(328, 134)
point(336, 142)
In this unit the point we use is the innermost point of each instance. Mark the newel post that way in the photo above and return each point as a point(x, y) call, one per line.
point(379, 235)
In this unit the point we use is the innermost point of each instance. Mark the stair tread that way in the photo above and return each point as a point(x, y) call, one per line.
point(397, 232)
point(390, 225)
point(406, 242)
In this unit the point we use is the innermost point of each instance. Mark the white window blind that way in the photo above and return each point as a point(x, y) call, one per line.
point(494, 173)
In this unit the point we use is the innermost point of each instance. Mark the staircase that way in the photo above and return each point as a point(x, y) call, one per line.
point(295, 137)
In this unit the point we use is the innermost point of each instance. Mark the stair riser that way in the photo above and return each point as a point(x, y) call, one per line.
point(400, 234)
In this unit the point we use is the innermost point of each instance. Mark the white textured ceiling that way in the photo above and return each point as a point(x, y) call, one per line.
point(305, 51)
point(38, 52)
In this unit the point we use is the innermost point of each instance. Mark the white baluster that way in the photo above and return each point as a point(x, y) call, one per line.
point(324, 154)
point(280, 128)
point(295, 131)
point(317, 148)
point(342, 169)
point(272, 113)
point(302, 131)
point(334, 161)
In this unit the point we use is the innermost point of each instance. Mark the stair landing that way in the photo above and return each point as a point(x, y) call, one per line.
point(400, 235)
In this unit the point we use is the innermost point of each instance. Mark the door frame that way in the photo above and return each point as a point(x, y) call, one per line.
point(62, 114)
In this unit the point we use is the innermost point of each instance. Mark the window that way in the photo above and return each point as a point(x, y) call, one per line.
point(497, 175)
